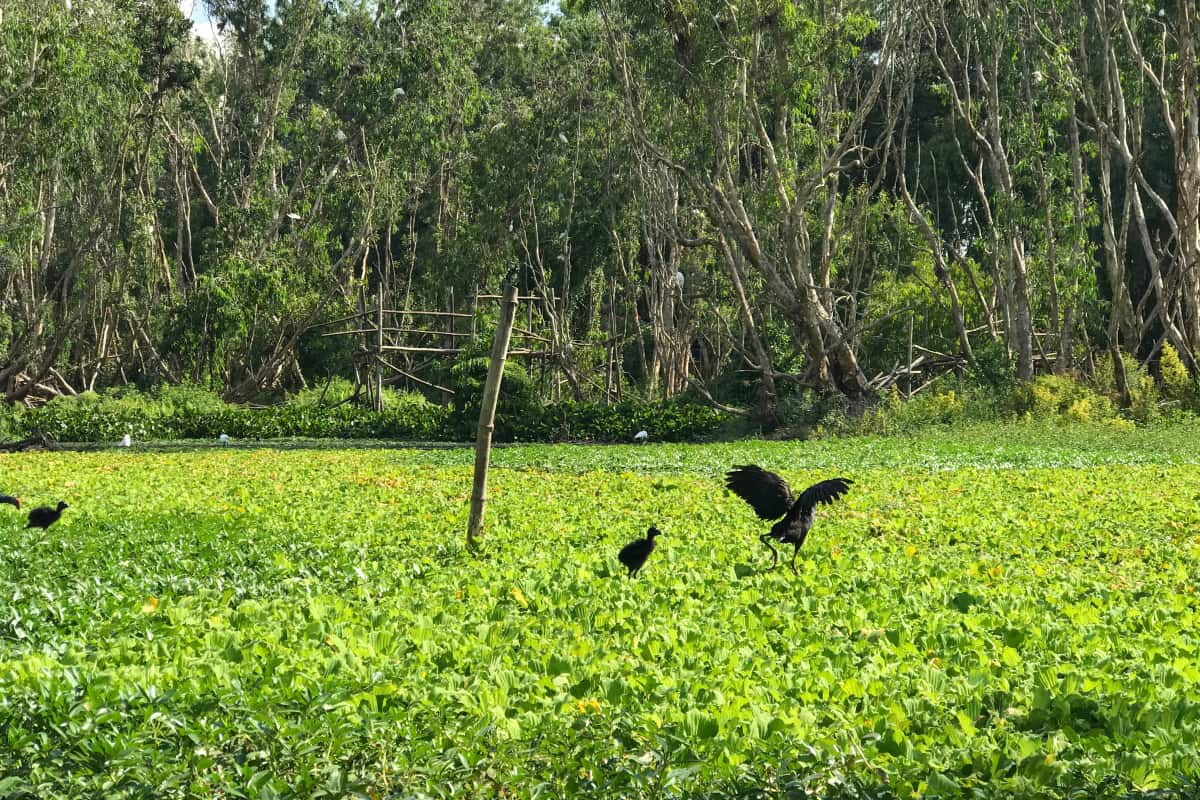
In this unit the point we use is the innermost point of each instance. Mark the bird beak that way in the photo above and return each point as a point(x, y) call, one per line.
point(18, 504)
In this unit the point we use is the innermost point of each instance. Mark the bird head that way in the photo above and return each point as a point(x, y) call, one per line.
point(652, 532)
point(17, 503)
point(62, 506)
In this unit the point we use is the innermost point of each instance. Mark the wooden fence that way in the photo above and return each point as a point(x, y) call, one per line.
point(422, 336)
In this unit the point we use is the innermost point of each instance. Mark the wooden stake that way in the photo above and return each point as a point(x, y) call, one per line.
point(487, 413)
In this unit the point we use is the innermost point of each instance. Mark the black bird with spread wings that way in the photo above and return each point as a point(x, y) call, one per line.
point(634, 554)
point(771, 498)
point(12, 501)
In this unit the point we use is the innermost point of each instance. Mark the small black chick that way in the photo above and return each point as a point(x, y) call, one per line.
point(12, 501)
point(45, 516)
point(634, 554)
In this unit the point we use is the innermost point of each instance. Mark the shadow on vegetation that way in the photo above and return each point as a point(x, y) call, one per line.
point(187, 445)
point(853, 787)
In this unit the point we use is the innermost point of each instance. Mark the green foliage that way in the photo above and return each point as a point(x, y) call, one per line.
point(596, 422)
point(1060, 396)
point(929, 408)
point(102, 416)
point(189, 412)
point(983, 615)
point(188, 400)
point(327, 393)
point(517, 406)
point(12, 421)
point(1177, 385)
point(1143, 391)
point(994, 367)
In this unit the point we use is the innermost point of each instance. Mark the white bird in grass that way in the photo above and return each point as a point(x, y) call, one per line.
point(641, 437)
point(224, 438)
point(126, 441)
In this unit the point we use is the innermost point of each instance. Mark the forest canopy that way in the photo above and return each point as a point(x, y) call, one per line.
point(732, 200)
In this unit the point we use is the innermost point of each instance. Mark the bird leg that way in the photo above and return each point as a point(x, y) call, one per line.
point(766, 539)
point(794, 552)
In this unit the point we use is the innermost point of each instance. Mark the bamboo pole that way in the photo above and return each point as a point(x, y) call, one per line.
point(908, 380)
point(487, 412)
point(528, 327)
point(379, 348)
point(474, 308)
point(449, 340)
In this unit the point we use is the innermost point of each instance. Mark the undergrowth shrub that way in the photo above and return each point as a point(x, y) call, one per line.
point(98, 417)
point(1143, 391)
point(329, 393)
point(934, 407)
point(1060, 396)
point(1177, 385)
point(193, 413)
point(595, 422)
point(188, 400)
point(517, 408)
point(12, 421)
point(994, 368)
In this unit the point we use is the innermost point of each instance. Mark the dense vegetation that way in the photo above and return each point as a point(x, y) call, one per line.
point(749, 202)
point(191, 413)
point(999, 612)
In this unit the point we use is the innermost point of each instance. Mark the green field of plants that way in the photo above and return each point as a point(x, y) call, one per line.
point(995, 612)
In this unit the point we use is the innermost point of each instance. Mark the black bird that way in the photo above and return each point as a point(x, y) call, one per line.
point(45, 516)
point(634, 554)
point(12, 501)
point(771, 498)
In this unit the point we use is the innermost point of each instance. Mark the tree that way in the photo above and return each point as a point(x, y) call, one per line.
point(760, 112)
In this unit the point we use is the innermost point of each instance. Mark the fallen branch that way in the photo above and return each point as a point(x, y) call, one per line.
point(699, 387)
point(39, 441)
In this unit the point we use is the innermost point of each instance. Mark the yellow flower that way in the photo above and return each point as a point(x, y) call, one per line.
point(910, 551)
point(590, 704)
point(519, 596)
point(150, 606)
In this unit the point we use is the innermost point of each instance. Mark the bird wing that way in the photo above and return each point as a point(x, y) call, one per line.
point(823, 492)
point(767, 493)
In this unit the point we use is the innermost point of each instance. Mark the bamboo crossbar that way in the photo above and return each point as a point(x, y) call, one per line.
point(397, 330)
point(521, 297)
point(359, 315)
point(524, 334)
point(428, 313)
point(411, 377)
point(410, 349)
